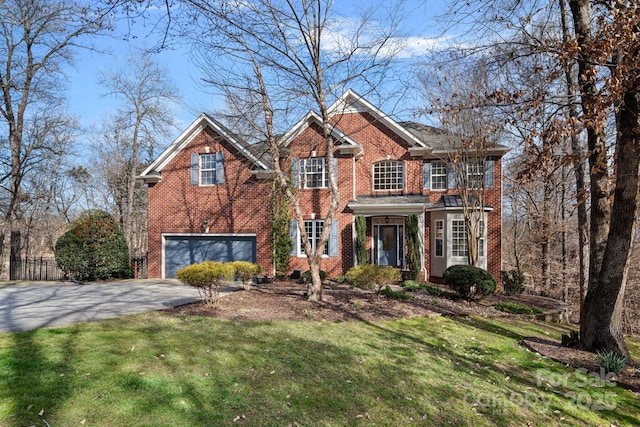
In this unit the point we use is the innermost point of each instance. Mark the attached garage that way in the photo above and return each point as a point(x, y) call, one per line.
point(182, 250)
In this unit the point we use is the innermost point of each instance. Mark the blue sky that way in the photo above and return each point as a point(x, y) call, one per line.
point(85, 94)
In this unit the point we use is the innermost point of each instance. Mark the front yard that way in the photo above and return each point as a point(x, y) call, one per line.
point(163, 369)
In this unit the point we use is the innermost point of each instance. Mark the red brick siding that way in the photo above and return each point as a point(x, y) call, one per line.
point(239, 205)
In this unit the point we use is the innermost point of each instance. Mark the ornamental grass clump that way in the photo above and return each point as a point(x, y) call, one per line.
point(208, 277)
point(611, 361)
point(372, 276)
point(246, 271)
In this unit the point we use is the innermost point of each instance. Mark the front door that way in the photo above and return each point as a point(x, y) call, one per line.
point(388, 245)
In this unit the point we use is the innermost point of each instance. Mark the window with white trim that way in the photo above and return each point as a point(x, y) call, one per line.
point(475, 174)
point(388, 175)
point(314, 173)
point(439, 238)
point(481, 240)
point(438, 175)
point(313, 228)
point(459, 242)
point(208, 169)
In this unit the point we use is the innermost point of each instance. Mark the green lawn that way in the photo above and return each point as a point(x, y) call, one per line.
point(156, 370)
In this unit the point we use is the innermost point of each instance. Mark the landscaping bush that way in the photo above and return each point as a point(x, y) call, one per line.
point(306, 276)
point(512, 282)
point(246, 271)
point(372, 276)
point(208, 277)
point(390, 293)
point(516, 308)
point(94, 248)
point(469, 282)
point(411, 286)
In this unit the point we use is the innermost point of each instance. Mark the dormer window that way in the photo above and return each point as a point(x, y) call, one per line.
point(388, 175)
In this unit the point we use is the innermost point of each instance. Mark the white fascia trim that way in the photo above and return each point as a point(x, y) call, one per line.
point(387, 209)
point(350, 99)
point(455, 209)
point(310, 117)
point(207, 235)
point(187, 136)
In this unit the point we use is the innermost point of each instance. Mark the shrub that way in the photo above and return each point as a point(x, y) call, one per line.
point(362, 253)
point(372, 276)
point(512, 282)
point(469, 282)
point(306, 276)
point(390, 293)
point(611, 361)
point(246, 271)
point(516, 308)
point(94, 248)
point(433, 290)
point(411, 286)
point(413, 247)
point(208, 277)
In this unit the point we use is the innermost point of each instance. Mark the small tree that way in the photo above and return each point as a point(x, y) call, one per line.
point(208, 277)
point(413, 247)
point(372, 276)
point(362, 254)
point(280, 240)
point(246, 271)
point(94, 248)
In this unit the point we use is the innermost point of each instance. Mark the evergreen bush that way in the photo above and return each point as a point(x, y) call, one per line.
point(469, 282)
point(94, 249)
point(372, 276)
point(246, 271)
point(208, 277)
point(413, 247)
point(362, 254)
point(306, 276)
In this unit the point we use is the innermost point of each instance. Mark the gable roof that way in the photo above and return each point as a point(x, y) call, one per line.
point(153, 172)
point(305, 122)
point(351, 102)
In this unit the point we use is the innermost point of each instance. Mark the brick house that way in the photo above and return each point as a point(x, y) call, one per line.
point(209, 194)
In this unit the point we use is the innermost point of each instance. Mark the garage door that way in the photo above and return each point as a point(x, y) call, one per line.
point(180, 251)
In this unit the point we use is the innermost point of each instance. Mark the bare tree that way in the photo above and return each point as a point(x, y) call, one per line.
point(282, 56)
point(131, 136)
point(37, 37)
point(461, 102)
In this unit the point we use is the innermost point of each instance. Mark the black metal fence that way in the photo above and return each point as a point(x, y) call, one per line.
point(36, 268)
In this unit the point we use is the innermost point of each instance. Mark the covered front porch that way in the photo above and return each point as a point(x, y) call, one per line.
point(386, 227)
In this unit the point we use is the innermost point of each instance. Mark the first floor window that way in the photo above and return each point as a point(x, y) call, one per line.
point(439, 249)
point(459, 242)
point(314, 230)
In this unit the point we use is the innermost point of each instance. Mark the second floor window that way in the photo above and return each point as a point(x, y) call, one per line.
point(438, 175)
point(388, 175)
point(207, 169)
point(314, 172)
point(475, 174)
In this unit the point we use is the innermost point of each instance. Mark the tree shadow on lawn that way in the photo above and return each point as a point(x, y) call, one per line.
point(35, 380)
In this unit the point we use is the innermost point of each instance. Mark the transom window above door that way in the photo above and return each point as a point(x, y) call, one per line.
point(388, 175)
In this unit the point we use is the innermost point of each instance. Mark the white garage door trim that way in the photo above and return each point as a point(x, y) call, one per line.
point(164, 237)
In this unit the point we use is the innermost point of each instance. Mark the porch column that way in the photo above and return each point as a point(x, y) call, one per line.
point(422, 244)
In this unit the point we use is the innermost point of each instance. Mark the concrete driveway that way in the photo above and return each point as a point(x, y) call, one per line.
point(24, 307)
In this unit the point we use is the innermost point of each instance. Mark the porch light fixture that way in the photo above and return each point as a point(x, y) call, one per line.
point(386, 219)
point(205, 225)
